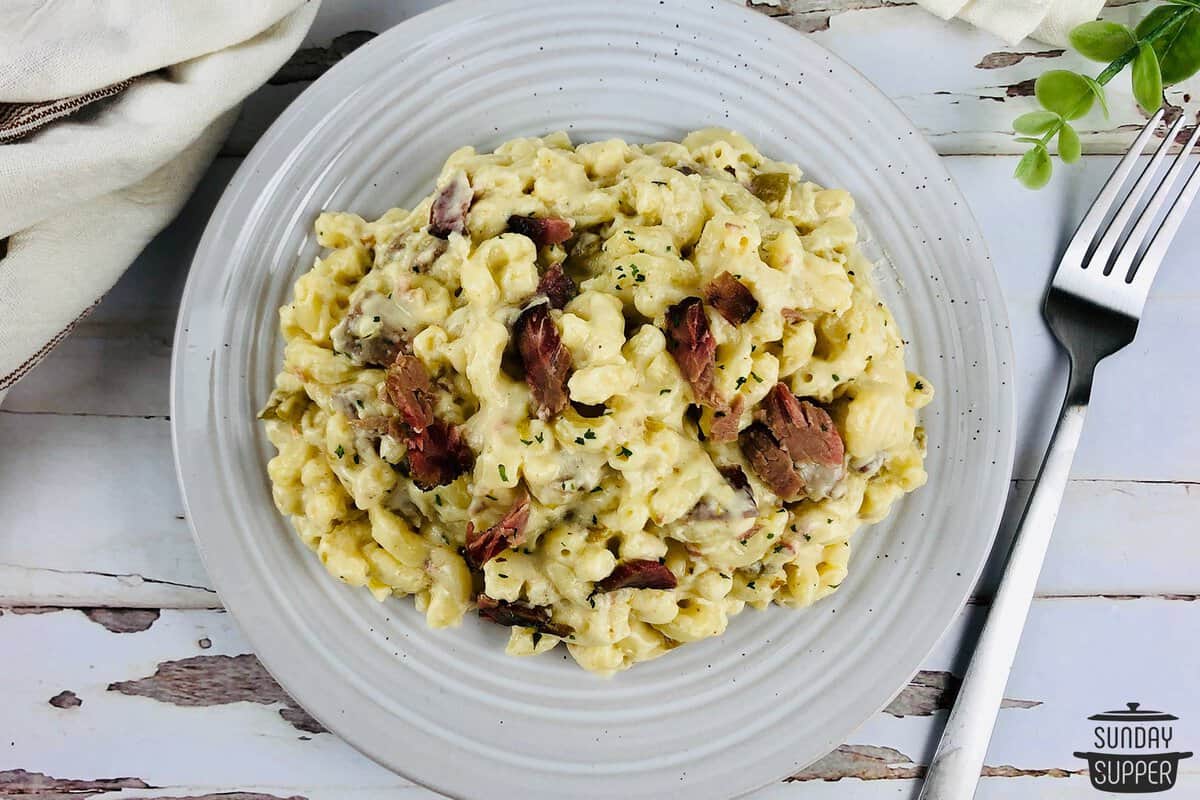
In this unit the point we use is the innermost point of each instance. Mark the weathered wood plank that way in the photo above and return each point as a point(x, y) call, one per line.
point(119, 363)
point(92, 514)
point(123, 541)
point(141, 704)
point(960, 85)
point(990, 788)
point(159, 708)
point(120, 537)
point(963, 86)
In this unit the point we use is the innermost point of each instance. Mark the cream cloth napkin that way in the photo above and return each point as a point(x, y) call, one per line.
point(83, 193)
point(1013, 20)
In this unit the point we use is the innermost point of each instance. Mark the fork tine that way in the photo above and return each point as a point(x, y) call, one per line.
point(1123, 264)
point(1104, 250)
point(1153, 257)
point(1087, 229)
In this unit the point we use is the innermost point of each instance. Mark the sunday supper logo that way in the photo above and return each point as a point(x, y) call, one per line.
point(1133, 751)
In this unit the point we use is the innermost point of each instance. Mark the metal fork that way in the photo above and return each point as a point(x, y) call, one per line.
point(1093, 307)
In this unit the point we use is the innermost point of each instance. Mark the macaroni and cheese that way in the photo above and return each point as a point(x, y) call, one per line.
point(608, 395)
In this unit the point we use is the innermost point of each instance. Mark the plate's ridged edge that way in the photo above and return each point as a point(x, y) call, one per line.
point(502, 10)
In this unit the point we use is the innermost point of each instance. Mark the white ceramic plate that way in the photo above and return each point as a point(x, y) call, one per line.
point(448, 708)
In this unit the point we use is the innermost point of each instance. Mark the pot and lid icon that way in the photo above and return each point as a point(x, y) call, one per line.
point(1133, 751)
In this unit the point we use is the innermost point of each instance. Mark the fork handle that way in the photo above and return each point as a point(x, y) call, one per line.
point(954, 772)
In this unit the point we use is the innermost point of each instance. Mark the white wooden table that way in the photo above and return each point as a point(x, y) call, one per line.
point(122, 677)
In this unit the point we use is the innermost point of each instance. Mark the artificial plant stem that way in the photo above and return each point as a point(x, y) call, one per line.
point(1176, 18)
point(1112, 70)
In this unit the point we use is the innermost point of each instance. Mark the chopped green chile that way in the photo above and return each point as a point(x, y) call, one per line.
point(770, 187)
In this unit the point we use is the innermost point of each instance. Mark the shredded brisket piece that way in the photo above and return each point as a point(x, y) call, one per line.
point(410, 391)
point(691, 344)
point(637, 573)
point(520, 615)
point(557, 286)
point(546, 360)
point(804, 429)
point(541, 230)
point(731, 298)
point(436, 455)
point(509, 532)
point(725, 421)
point(770, 462)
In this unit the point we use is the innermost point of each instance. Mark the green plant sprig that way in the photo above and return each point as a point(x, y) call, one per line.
point(1163, 49)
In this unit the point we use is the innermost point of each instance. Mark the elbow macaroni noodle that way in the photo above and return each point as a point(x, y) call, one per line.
point(603, 488)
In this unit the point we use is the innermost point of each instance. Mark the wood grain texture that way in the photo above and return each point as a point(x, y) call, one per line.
point(991, 788)
point(123, 620)
point(216, 680)
point(19, 782)
point(94, 418)
point(961, 86)
point(309, 63)
point(871, 763)
point(65, 699)
point(1003, 59)
point(936, 690)
point(117, 370)
point(22, 783)
point(159, 710)
point(140, 554)
point(120, 700)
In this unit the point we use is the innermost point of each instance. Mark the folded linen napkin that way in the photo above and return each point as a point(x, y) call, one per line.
point(1012, 20)
point(110, 112)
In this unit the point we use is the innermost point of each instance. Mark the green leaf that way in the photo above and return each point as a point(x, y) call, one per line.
point(1147, 80)
point(1098, 91)
point(1030, 140)
point(1179, 48)
point(1034, 168)
point(1102, 40)
point(1069, 148)
point(1035, 122)
point(1064, 92)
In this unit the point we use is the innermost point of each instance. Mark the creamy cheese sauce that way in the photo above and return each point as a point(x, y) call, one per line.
point(638, 477)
